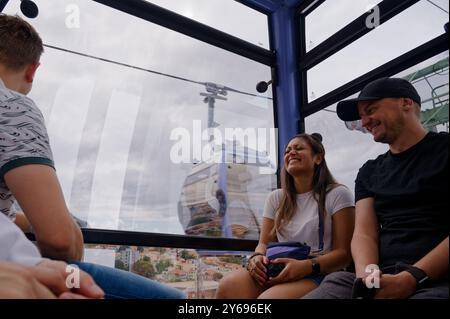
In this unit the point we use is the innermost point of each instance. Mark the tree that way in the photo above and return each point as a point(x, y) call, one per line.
point(233, 259)
point(144, 268)
point(161, 250)
point(162, 265)
point(186, 255)
point(119, 264)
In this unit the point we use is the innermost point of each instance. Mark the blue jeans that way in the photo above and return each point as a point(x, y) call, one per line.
point(317, 279)
point(120, 284)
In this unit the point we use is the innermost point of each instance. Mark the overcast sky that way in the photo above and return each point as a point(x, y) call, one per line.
point(110, 126)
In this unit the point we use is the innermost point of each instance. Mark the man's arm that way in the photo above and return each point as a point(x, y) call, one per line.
point(403, 284)
point(22, 222)
point(365, 237)
point(39, 194)
point(266, 235)
point(435, 263)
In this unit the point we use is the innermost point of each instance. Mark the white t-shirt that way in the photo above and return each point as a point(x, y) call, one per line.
point(14, 246)
point(304, 225)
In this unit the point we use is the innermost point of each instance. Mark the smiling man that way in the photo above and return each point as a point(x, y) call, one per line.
point(401, 220)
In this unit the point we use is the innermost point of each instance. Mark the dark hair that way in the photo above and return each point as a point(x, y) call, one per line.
point(323, 182)
point(20, 44)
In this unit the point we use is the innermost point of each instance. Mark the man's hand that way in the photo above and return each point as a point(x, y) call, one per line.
point(399, 286)
point(18, 282)
point(47, 280)
point(53, 274)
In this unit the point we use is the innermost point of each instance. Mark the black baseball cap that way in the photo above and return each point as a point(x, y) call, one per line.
point(347, 110)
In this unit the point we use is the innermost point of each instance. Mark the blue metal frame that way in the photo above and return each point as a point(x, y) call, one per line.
point(194, 29)
point(391, 68)
point(352, 32)
point(285, 41)
point(285, 36)
point(263, 6)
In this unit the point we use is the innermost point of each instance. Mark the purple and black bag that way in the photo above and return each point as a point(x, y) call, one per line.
point(290, 249)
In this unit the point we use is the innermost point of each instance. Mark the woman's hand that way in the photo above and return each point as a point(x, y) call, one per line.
point(257, 269)
point(294, 270)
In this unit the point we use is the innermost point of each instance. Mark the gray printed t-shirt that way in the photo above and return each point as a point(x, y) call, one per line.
point(23, 140)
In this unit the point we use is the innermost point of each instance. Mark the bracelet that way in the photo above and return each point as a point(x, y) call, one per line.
point(250, 258)
point(254, 255)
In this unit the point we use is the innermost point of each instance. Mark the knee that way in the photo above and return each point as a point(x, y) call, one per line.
point(337, 285)
point(226, 286)
point(177, 294)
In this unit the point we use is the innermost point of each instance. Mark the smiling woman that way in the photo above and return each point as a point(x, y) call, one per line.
point(311, 208)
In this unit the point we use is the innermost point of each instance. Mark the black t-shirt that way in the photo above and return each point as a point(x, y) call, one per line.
point(411, 196)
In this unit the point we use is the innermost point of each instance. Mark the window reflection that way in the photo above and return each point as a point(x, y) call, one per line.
point(331, 16)
point(228, 16)
point(112, 102)
point(404, 32)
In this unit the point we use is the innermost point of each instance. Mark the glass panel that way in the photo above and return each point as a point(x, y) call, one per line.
point(337, 14)
point(128, 139)
point(411, 28)
point(430, 78)
point(347, 150)
point(227, 16)
point(196, 273)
